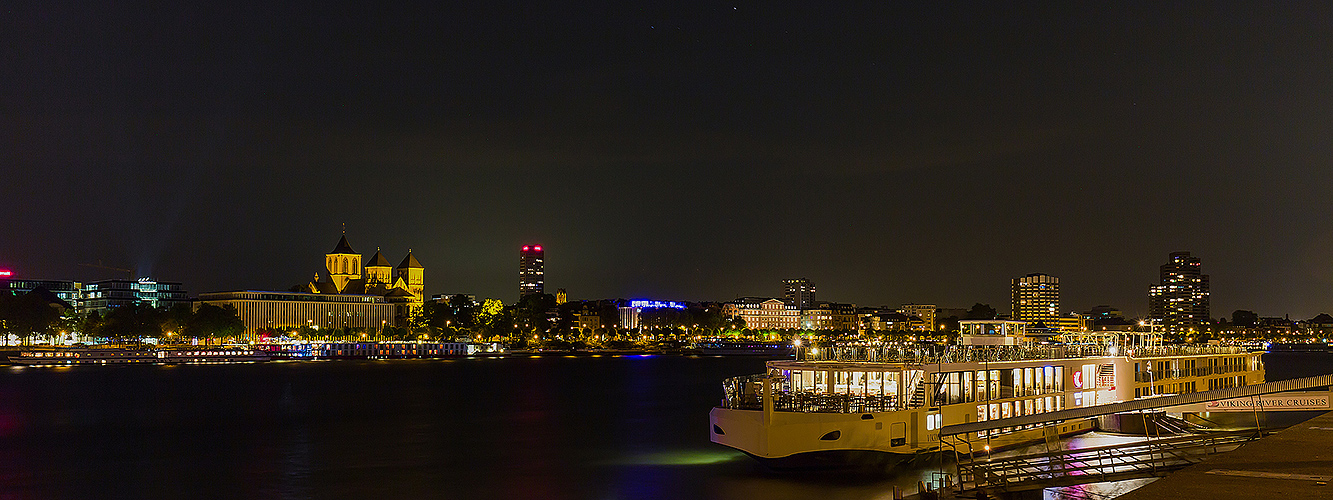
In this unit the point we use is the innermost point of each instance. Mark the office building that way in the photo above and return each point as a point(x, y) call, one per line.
point(1180, 302)
point(799, 292)
point(1035, 298)
point(102, 296)
point(531, 270)
point(67, 291)
point(290, 310)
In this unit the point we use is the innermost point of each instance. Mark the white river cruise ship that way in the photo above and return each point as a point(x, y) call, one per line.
point(874, 404)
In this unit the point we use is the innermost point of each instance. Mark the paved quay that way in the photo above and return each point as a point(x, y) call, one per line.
point(1296, 462)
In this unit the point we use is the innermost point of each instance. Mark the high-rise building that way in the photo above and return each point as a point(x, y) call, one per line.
point(1180, 302)
point(799, 292)
point(561, 296)
point(531, 270)
point(1036, 298)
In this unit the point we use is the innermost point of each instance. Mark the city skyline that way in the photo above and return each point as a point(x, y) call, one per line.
point(890, 153)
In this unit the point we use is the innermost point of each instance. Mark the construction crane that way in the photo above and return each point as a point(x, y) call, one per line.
point(129, 273)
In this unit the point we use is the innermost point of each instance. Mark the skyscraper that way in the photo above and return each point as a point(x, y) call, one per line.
point(1180, 302)
point(1036, 298)
point(799, 292)
point(531, 270)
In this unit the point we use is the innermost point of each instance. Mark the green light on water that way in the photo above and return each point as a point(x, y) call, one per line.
point(684, 457)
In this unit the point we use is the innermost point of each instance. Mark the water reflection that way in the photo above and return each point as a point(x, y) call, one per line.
point(551, 428)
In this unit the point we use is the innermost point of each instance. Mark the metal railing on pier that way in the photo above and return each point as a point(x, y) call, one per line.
point(932, 353)
point(1151, 458)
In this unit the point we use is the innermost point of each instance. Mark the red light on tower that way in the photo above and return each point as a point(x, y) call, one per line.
point(537, 248)
point(5, 273)
point(525, 248)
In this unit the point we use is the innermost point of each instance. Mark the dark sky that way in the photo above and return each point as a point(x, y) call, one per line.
point(678, 150)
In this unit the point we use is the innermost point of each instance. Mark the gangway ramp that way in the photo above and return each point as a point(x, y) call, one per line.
point(1151, 458)
point(1154, 458)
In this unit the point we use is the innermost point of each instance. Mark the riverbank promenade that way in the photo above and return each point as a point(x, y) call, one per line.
point(1296, 462)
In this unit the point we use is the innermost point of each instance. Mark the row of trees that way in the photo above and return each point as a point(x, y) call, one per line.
point(539, 315)
point(32, 316)
point(132, 323)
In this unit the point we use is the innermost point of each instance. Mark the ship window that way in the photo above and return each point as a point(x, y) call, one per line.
point(968, 393)
point(1027, 382)
point(1048, 379)
point(1059, 379)
point(994, 381)
point(981, 386)
point(831, 436)
point(955, 388)
point(718, 430)
point(1007, 410)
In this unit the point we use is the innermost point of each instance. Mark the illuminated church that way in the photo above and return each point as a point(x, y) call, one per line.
point(343, 274)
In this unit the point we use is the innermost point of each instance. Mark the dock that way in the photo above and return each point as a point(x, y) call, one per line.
point(1296, 462)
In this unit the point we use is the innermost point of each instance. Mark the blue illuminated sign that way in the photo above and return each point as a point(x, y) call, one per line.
point(654, 304)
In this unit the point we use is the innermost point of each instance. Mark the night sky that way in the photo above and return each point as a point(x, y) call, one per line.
point(678, 150)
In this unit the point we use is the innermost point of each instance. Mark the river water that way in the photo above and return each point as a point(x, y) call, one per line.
point(625, 427)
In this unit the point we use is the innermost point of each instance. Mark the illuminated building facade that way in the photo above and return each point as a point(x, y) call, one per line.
point(629, 314)
point(531, 270)
point(763, 313)
point(403, 287)
point(831, 316)
point(561, 296)
point(101, 296)
point(1035, 298)
point(289, 310)
point(927, 313)
point(799, 292)
point(68, 291)
point(1180, 302)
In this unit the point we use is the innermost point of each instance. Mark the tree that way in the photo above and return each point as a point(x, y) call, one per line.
point(981, 311)
point(492, 319)
point(133, 321)
point(530, 313)
point(176, 320)
point(1244, 319)
point(211, 321)
point(27, 315)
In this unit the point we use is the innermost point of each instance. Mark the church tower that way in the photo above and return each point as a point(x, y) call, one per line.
point(343, 264)
point(379, 274)
point(413, 277)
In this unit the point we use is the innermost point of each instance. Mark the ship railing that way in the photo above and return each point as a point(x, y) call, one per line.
point(809, 402)
point(746, 393)
point(921, 354)
point(931, 354)
point(1183, 350)
point(1153, 376)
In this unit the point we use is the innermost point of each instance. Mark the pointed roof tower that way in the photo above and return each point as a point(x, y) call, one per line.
point(410, 262)
point(343, 247)
point(378, 260)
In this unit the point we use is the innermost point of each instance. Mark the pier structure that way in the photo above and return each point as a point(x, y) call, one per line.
point(1016, 477)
